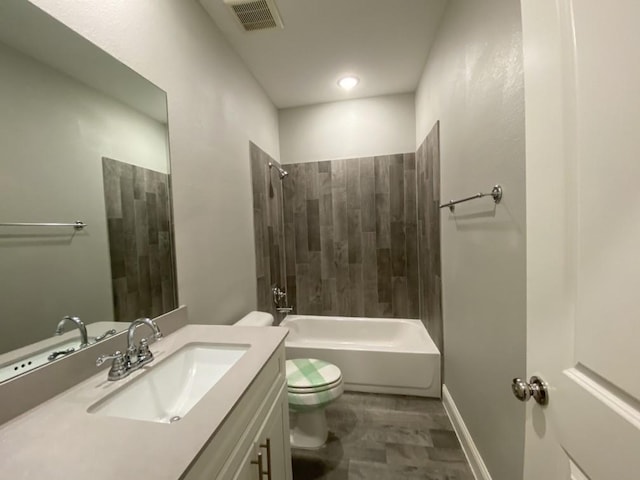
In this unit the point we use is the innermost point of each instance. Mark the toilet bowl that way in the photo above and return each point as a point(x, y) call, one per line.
point(312, 385)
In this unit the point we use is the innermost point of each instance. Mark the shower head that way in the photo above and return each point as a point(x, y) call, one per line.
point(283, 173)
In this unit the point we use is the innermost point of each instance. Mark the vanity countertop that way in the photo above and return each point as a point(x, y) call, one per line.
point(59, 439)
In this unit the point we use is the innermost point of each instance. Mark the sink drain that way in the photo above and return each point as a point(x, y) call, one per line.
point(175, 419)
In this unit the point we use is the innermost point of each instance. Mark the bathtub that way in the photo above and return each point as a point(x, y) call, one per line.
point(375, 355)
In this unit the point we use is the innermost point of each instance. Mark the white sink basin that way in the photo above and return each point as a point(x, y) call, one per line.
point(168, 390)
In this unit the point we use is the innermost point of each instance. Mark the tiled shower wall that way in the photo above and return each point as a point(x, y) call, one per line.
point(428, 169)
point(351, 237)
point(268, 227)
point(140, 240)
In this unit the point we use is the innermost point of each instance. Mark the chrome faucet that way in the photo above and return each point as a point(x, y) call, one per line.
point(84, 338)
point(136, 356)
point(140, 354)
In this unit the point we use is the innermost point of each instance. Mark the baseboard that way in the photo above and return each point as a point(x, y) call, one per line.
point(479, 469)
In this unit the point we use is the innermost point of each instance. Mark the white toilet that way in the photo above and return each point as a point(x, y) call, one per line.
point(312, 384)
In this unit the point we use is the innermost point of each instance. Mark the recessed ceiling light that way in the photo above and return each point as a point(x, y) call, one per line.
point(348, 82)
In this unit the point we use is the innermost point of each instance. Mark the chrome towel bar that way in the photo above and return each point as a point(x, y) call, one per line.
point(496, 193)
point(78, 225)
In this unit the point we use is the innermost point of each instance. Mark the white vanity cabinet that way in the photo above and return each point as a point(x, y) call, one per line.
point(254, 435)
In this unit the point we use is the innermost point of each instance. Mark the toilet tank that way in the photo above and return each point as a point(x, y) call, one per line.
point(256, 319)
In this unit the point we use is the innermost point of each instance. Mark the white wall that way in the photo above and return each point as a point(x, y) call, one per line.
point(54, 132)
point(473, 84)
point(215, 108)
point(348, 129)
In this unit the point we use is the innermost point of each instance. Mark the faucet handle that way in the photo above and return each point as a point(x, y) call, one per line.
point(116, 357)
point(106, 334)
point(144, 353)
point(118, 368)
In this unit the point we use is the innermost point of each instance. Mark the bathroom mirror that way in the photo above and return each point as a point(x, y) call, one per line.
point(84, 139)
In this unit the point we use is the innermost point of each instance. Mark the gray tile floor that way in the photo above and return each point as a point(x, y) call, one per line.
point(385, 437)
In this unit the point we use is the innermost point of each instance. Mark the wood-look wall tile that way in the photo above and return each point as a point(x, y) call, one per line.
point(116, 248)
point(340, 221)
point(385, 310)
point(324, 181)
point(138, 184)
point(288, 193)
point(311, 176)
point(119, 298)
point(113, 199)
point(400, 300)
point(339, 174)
point(259, 239)
point(409, 161)
point(142, 226)
point(298, 176)
point(367, 196)
point(364, 249)
point(354, 235)
point(302, 287)
point(144, 288)
point(270, 259)
point(396, 188)
point(383, 221)
point(381, 167)
point(356, 294)
point(292, 294)
point(353, 183)
point(326, 209)
point(264, 299)
point(152, 215)
point(370, 274)
point(302, 238)
point(290, 248)
point(133, 309)
point(164, 205)
point(428, 232)
point(315, 283)
point(413, 281)
point(271, 217)
point(341, 255)
point(324, 167)
point(329, 296)
point(410, 199)
point(398, 253)
point(326, 252)
point(313, 225)
point(384, 275)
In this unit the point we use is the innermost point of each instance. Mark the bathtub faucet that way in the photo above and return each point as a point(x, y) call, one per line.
point(279, 297)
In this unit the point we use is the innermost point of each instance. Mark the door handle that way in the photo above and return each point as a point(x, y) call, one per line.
point(536, 388)
point(268, 447)
point(259, 463)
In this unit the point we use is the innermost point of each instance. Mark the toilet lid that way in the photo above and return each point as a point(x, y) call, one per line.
point(311, 374)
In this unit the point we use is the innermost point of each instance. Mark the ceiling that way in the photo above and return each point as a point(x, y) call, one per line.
point(383, 42)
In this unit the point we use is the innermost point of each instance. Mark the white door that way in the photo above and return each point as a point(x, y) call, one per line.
point(582, 100)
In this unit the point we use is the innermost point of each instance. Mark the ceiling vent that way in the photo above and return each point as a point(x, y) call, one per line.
point(256, 14)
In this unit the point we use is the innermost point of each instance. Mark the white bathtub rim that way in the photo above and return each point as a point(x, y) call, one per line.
point(427, 346)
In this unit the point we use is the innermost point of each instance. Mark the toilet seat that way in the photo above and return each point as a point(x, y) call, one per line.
point(312, 383)
point(321, 388)
point(311, 373)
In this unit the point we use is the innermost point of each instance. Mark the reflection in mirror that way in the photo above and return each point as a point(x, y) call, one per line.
point(85, 139)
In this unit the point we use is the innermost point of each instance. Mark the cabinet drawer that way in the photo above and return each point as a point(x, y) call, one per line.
point(229, 443)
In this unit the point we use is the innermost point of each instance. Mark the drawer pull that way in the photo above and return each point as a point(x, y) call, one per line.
point(259, 463)
point(268, 447)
